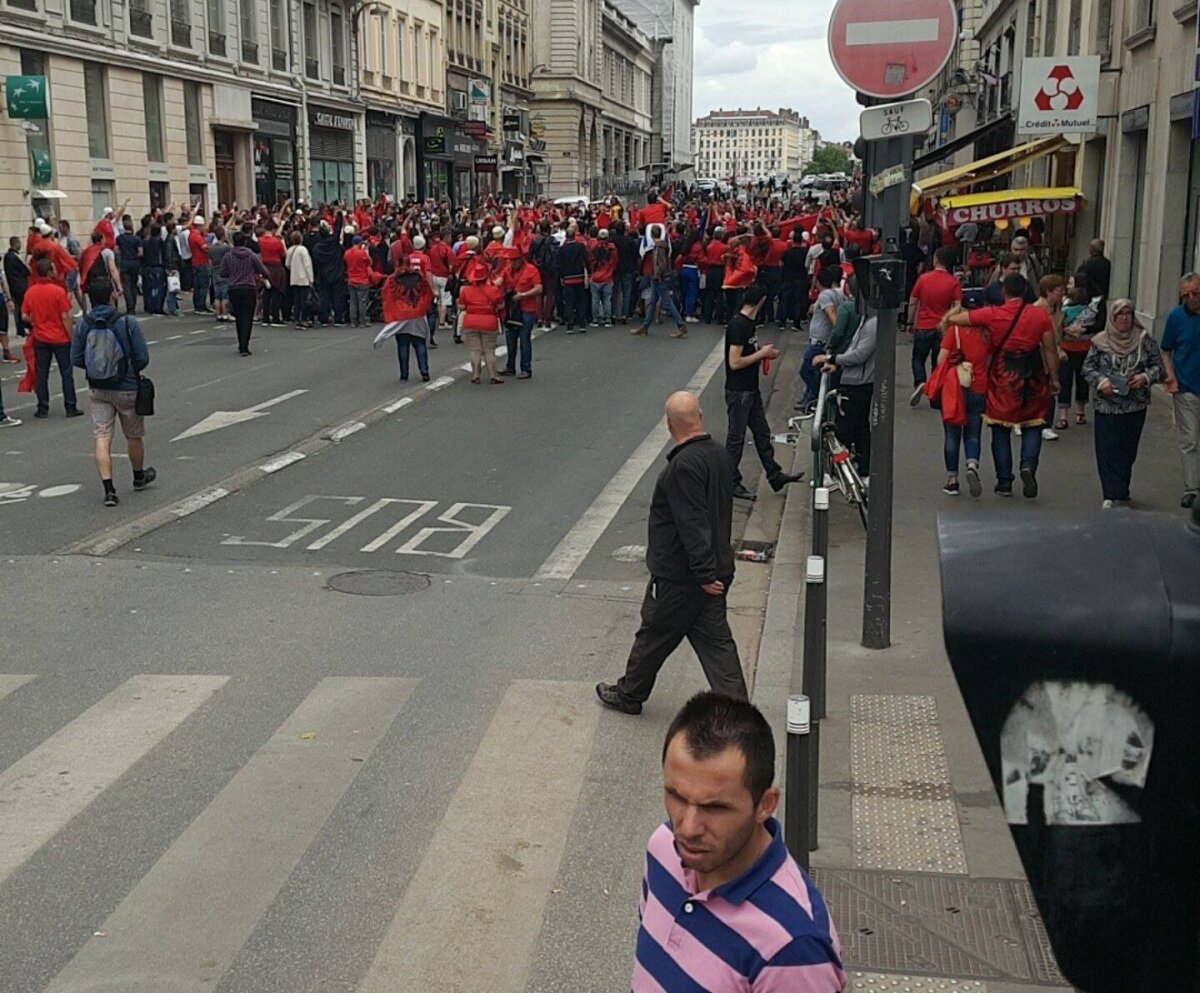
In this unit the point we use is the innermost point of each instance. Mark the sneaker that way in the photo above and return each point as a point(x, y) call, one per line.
point(74, 412)
point(1049, 434)
point(149, 476)
point(8, 422)
point(424, 377)
point(973, 483)
point(917, 393)
point(41, 415)
point(1187, 503)
point(524, 375)
point(432, 343)
point(692, 320)
point(570, 330)
point(508, 372)
point(611, 697)
point(1003, 489)
point(9, 357)
point(1106, 505)
point(111, 499)
point(951, 487)
point(595, 324)
point(1029, 485)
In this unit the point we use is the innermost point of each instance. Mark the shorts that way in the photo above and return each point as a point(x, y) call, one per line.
point(221, 291)
point(107, 405)
point(441, 296)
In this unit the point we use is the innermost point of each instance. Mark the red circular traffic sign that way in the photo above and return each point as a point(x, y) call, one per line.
point(892, 49)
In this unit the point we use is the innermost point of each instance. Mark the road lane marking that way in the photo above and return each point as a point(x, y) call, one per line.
point(201, 331)
point(440, 383)
point(219, 419)
point(400, 404)
point(491, 865)
point(282, 461)
point(578, 543)
point(52, 784)
point(347, 429)
point(199, 501)
point(174, 337)
point(8, 683)
point(357, 519)
point(422, 507)
point(474, 532)
point(152, 343)
point(184, 923)
point(310, 523)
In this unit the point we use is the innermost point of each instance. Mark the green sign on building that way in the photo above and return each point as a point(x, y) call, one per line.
point(27, 100)
point(40, 170)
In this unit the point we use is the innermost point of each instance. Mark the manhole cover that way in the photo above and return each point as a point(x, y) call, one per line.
point(630, 553)
point(378, 582)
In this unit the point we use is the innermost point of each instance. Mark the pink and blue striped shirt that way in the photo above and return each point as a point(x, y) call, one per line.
point(768, 931)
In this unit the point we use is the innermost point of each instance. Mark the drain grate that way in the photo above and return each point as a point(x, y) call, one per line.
point(378, 582)
point(939, 925)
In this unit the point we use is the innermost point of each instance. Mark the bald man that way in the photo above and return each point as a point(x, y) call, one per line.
point(690, 559)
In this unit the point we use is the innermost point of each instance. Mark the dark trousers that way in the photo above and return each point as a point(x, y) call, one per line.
point(300, 312)
point(241, 302)
point(670, 613)
point(1002, 456)
point(403, 341)
point(853, 424)
point(1117, 437)
point(154, 288)
point(22, 327)
point(43, 354)
point(924, 353)
point(520, 339)
point(714, 296)
point(185, 275)
point(272, 303)
point(575, 304)
point(790, 306)
point(745, 409)
point(129, 287)
point(549, 295)
point(771, 278)
point(733, 302)
point(1070, 374)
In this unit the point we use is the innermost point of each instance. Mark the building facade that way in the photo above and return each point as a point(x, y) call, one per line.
point(744, 146)
point(627, 70)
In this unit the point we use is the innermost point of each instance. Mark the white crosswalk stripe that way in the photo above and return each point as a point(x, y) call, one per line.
point(10, 683)
point(45, 789)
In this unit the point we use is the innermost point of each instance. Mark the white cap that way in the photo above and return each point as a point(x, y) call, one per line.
point(43, 227)
point(418, 242)
point(107, 211)
point(497, 232)
point(348, 229)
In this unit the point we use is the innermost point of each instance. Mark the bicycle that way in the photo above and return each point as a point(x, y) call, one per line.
point(894, 126)
point(830, 457)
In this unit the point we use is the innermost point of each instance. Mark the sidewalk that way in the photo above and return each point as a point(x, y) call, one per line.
point(915, 856)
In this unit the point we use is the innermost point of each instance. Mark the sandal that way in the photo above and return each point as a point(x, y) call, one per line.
point(496, 381)
point(681, 333)
point(475, 380)
point(1061, 424)
point(1081, 418)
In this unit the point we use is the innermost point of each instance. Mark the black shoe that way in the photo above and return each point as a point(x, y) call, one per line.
point(914, 398)
point(74, 412)
point(111, 499)
point(458, 339)
point(1189, 500)
point(244, 352)
point(424, 377)
point(951, 487)
point(148, 477)
point(610, 696)
point(1003, 489)
point(508, 372)
point(1029, 483)
point(741, 493)
point(41, 414)
point(780, 482)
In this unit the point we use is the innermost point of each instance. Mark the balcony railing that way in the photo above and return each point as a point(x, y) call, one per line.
point(216, 43)
point(141, 23)
point(23, 4)
point(279, 59)
point(339, 75)
point(312, 69)
point(250, 52)
point(83, 11)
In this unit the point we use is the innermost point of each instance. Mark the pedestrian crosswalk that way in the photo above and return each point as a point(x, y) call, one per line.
point(468, 919)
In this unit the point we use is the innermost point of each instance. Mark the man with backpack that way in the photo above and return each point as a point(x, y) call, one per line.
point(98, 267)
point(111, 350)
point(544, 253)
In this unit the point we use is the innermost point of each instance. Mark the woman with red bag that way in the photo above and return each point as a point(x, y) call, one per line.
point(965, 354)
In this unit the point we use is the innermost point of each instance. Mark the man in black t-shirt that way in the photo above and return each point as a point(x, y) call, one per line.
point(742, 398)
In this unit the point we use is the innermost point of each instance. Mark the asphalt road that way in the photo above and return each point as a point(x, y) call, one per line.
point(220, 772)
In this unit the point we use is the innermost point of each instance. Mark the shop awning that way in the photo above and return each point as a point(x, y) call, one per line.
point(49, 195)
point(1035, 201)
point(935, 155)
point(992, 167)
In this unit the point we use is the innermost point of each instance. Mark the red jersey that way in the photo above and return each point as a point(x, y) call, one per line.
point(107, 232)
point(358, 265)
point(441, 259)
point(653, 213)
point(602, 261)
point(524, 281)
point(44, 304)
point(714, 253)
point(935, 292)
point(199, 249)
point(271, 250)
point(775, 255)
point(481, 303)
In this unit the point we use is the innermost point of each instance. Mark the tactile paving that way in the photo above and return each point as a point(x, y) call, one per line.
point(886, 982)
point(903, 812)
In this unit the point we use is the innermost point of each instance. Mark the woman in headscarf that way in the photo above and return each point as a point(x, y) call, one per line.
point(481, 301)
point(408, 294)
point(1122, 364)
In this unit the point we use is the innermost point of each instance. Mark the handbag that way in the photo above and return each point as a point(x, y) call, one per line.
point(143, 405)
point(173, 283)
point(966, 370)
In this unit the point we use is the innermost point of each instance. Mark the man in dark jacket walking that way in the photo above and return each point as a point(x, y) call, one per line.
point(690, 559)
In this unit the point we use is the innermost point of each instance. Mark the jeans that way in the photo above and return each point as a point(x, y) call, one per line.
point(43, 354)
point(1117, 437)
point(810, 376)
point(241, 302)
point(522, 336)
point(300, 312)
point(689, 279)
point(968, 436)
point(1070, 374)
point(745, 410)
point(129, 287)
point(360, 297)
point(660, 292)
point(713, 309)
point(771, 278)
point(172, 304)
point(602, 303)
point(924, 351)
point(790, 307)
point(201, 276)
point(418, 345)
point(154, 288)
point(1031, 450)
point(624, 299)
point(574, 304)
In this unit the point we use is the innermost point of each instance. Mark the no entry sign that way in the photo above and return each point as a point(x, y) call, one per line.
point(891, 48)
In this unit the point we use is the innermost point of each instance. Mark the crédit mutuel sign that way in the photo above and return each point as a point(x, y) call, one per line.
point(1059, 96)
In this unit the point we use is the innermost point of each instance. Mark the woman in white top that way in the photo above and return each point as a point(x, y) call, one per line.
point(300, 277)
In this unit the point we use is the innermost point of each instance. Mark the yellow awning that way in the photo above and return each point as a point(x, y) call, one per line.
point(1004, 196)
point(1000, 164)
point(1031, 201)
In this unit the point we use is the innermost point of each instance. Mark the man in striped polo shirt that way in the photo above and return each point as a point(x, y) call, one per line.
point(725, 908)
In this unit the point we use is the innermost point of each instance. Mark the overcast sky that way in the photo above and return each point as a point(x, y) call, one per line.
point(771, 54)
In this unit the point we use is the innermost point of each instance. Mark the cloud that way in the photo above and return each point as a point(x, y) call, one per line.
point(771, 53)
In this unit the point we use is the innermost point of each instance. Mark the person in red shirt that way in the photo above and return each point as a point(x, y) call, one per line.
point(272, 250)
point(407, 297)
point(655, 211)
point(1022, 376)
point(933, 294)
point(527, 291)
point(740, 271)
point(201, 267)
point(602, 267)
point(441, 265)
point(961, 345)
point(105, 226)
point(358, 279)
point(690, 260)
point(714, 276)
point(47, 309)
point(481, 301)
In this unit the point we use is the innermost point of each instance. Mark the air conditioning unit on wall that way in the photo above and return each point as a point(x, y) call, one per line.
point(458, 100)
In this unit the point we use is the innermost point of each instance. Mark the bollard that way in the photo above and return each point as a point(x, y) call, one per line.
point(796, 820)
point(816, 606)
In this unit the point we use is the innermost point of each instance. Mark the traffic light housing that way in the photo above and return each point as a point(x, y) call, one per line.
point(1076, 646)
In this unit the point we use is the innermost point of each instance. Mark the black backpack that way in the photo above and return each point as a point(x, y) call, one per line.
point(545, 253)
point(98, 274)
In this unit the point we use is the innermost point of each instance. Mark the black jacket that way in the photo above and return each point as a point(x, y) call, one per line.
point(691, 515)
point(572, 259)
point(628, 260)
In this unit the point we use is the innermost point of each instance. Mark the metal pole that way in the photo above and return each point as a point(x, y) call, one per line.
point(816, 606)
point(796, 812)
point(877, 593)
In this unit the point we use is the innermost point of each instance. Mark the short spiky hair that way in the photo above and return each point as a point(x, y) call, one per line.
point(712, 722)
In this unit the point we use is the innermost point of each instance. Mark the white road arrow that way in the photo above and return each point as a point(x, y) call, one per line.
point(226, 418)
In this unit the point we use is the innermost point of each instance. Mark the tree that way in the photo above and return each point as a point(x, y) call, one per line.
point(829, 158)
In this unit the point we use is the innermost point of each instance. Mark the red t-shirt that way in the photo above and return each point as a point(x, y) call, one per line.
point(653, 213)
point(441, 259)
point(527, 279)
point(107, 232)
point(935, 292)
point(44, 305)
point(358, 265)
point(775, 256)
point(976, 349)
point(714, 253)
point(199, 249)
point(602, 261)
point(271, 250)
